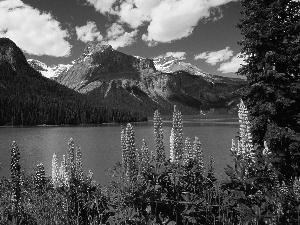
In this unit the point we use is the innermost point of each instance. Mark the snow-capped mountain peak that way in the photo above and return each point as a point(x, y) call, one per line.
point(48, 71)
point(171, 64)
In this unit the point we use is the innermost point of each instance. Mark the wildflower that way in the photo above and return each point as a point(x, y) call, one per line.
point(188, 152)
point(63, 172)
point(78, 166)
point(130, 152)
point(124, 150)
point(172, 154)
point(71, 159)
point(15, 171)
point(55, 171)
point(145, 156)
point(198, 155)
point(40, 178)
point(158, 132)
point(245, 147)
point(176, 150)
point(296, 188)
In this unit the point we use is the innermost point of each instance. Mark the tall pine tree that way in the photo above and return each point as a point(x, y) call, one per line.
point(271, 46)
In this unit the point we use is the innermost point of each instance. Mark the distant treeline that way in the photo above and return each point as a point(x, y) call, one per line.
point(27, 98)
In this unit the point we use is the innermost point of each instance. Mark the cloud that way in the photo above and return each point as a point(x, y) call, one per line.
point(232, 65)
point(213, 58)
point(88, 32)
point(34, 32)
point(166, 20)
point(177, 55)
point(103, 6)
point(117, 37)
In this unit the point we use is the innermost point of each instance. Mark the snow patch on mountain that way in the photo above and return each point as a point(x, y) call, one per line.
point(49, 71)
point(170, 64)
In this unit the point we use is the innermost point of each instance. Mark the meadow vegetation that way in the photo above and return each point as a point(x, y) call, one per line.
point(148, 188)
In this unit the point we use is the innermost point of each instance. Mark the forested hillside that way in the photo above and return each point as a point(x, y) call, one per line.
point(28, 98)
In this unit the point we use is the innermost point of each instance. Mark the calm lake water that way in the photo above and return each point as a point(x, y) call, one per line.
point(100, 145)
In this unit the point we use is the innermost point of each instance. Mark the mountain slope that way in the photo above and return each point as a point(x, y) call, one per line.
point(28, 98)
point(114, 78)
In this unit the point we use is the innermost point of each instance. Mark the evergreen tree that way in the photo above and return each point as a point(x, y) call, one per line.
point(271, 46)
point(159, 137)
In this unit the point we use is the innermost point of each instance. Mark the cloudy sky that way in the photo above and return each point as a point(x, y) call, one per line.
point(201, 32)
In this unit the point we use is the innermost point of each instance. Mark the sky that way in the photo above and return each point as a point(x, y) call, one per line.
point(201, 32)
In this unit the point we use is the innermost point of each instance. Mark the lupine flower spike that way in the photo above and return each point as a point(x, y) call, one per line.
point(158, 132)
point(130, 153)
point(15, 171)
point(197, 149)
point(55, 172)
point(40, 178)
point(145, 156)
point(176, 151)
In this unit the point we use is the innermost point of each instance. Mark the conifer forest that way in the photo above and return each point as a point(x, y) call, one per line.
point(262, 186)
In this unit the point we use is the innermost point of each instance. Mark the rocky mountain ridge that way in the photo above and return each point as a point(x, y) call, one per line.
point(28, 98)
point(115, 78)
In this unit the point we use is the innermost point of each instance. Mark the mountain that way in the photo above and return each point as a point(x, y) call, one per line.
point(170, 64)
point(28, 98)
point(47, 71)
point(130, 82)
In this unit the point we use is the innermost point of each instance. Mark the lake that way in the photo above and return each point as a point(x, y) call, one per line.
point(100, 145)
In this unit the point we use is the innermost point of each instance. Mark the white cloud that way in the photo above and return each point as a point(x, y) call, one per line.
point(167, 20)
point(34, 32)
point(117, 37)
point(103, 6)
point(213, 58)
point(233, 65)
point(177, 55)
point(88, 32)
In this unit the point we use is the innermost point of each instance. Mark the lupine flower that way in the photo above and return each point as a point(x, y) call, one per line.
point(197, 149)
point(296, 188)
point(55, 172)
point(40, 178)
point(15, 171)
point(245, 147)
point(233, 147)
point(71, 159)
point(172, 154)
point(189, 156)
point(177, 145)
point(124, 149)
point(284, 189)
point(130, 152)
point(158, 132)
point(145, 156)
point(244, 150)
point(79, 169)
point(63, 172)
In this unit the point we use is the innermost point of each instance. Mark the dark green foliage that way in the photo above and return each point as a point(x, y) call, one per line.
point(271, 45)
